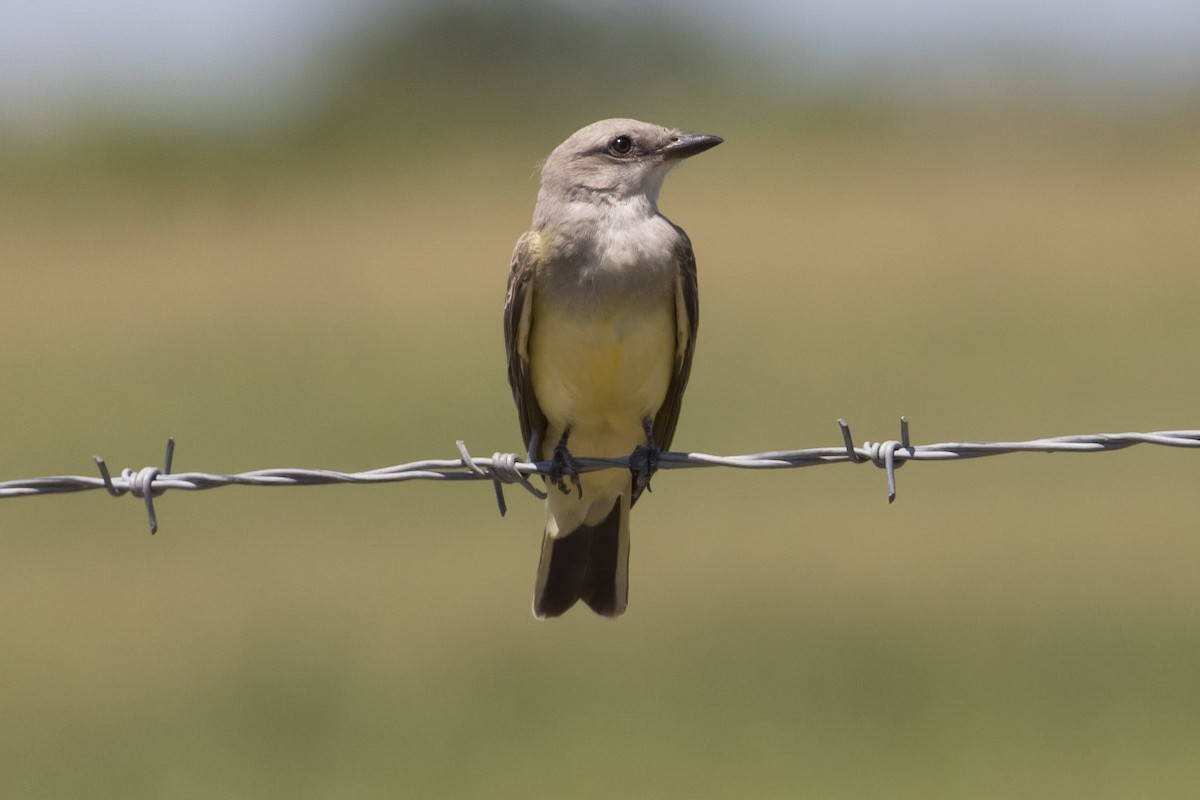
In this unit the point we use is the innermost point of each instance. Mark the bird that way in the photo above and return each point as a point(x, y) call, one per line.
point(600, 321)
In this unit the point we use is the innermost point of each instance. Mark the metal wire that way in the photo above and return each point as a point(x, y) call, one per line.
point(508, 468)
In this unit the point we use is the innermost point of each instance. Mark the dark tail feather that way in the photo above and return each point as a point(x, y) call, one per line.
point(591, 563)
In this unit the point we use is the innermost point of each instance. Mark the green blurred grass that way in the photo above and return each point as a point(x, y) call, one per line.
point(1017, 627)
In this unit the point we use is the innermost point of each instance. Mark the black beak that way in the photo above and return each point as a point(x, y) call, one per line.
point(689, 144)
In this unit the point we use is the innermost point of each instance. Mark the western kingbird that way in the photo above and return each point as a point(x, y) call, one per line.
point(600, 324)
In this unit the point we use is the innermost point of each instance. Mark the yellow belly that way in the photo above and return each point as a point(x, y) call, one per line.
point(601, 374)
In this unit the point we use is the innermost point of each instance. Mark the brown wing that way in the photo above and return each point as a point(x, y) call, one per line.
point(687, 319)
point(518, 303)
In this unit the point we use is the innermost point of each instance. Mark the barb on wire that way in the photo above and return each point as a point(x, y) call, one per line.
point(508, 468)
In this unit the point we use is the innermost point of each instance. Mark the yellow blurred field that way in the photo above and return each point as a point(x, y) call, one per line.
point(1018, 627)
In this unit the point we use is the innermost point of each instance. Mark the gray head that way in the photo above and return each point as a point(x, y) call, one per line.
point(617, 159)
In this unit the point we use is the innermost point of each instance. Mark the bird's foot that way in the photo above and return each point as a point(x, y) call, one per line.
point(563, 464)
point(643, 462)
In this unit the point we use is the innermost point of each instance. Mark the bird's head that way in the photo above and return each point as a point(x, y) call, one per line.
point(617, 159)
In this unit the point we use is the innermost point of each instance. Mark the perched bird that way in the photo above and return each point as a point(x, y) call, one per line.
point(600, 325)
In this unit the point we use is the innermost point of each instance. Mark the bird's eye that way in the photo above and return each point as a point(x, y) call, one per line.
point(621, 145)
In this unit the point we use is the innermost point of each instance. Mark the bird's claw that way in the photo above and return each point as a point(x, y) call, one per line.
point(643, 463)
point(562, 464)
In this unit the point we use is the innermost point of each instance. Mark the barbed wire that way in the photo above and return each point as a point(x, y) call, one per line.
point(508, 468)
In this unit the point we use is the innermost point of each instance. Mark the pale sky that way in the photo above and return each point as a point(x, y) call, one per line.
point(53, 50)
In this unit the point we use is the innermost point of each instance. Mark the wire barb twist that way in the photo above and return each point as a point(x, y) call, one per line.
point(501, 468)
point(508, 468)
point(140, 483)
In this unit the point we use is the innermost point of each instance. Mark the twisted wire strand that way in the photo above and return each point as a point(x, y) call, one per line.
point(509, 468)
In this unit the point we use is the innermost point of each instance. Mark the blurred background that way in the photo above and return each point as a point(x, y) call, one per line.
point(279, 231)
